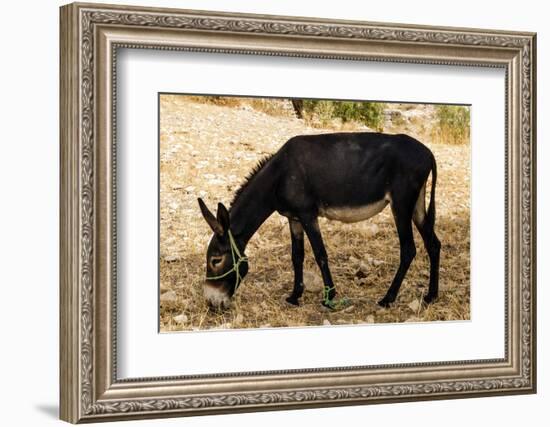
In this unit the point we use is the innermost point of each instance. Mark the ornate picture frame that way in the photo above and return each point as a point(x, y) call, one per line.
point(90, 37)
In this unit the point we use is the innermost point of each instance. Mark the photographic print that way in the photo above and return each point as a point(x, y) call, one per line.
point(197, 213)
point(311, 212)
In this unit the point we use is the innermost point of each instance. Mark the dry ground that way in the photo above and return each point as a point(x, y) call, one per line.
point(206, 150)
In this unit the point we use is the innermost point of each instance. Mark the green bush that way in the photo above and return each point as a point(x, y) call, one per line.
point(453, 124)
point(367, 113)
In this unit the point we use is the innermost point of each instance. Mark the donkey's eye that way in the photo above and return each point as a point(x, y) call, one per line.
point(216, 260)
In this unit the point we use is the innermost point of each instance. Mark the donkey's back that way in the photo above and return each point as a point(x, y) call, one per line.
point(350, 171)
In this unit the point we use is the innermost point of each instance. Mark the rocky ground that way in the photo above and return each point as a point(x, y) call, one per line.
point(206, 150)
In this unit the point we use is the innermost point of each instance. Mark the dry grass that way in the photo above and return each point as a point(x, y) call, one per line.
point(207, 149)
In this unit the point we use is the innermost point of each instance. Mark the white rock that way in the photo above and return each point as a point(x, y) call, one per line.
point(171, 258)
point(372, 229)
point(326, 322)
point(169, 296)
point(182, 318)
point(363, 266)
point(239, 319)
point(312, 282)
point(414, 305)
point(370, 319)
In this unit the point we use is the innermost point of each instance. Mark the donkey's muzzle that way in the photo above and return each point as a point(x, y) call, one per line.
point(216, 295)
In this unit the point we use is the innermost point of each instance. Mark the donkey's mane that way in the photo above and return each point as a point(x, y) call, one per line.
point(257, 168)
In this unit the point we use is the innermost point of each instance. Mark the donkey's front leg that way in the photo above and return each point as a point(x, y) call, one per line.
point(311, 227)
point(297, 237)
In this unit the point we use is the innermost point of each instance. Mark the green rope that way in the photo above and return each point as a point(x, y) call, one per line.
point(334, 304)
point(238, 259)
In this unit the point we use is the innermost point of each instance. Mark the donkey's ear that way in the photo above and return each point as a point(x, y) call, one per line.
point(210, 219)
point(223, 217)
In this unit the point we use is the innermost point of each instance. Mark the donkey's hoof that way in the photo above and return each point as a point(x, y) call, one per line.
point(386, 302)
point(292, 300)
point(430, 298)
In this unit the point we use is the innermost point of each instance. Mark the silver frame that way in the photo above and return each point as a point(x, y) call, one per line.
point(90, 36)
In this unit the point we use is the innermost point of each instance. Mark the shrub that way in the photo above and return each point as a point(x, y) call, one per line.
point(453, 124)
point(224, 101)
point(366, 113)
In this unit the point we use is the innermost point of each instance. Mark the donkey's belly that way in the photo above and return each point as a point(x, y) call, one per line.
point(355, 213)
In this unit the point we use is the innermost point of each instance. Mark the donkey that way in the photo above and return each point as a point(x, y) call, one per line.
point(348, 177)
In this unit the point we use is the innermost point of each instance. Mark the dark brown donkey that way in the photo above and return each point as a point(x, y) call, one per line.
point(343, 176)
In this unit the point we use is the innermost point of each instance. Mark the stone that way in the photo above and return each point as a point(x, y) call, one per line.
point(312, 282)
point(181, 318)
point(415, 305)
point(169, 296)
point(371, 230)
point(348, 309)
point(238, 319)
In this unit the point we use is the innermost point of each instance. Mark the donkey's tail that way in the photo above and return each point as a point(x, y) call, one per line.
point(430, 217)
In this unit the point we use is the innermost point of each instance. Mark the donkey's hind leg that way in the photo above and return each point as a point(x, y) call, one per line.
point(402, 209)
point(431, 243)
point(297, 237)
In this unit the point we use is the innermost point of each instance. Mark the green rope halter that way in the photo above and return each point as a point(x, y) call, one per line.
point(238, 259)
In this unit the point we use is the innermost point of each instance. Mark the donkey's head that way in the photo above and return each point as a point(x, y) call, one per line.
point(226, 264)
